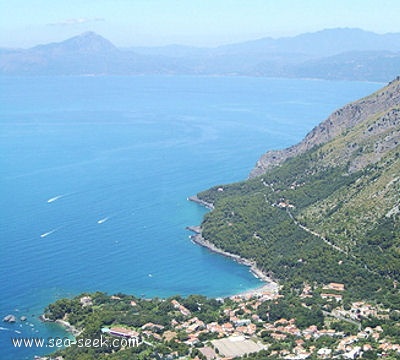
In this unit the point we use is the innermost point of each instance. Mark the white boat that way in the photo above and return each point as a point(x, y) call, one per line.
point(54, 198)
point(48, 233)
point(102, 220)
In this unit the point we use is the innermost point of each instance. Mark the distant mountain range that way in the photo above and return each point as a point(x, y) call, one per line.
point(346, 54)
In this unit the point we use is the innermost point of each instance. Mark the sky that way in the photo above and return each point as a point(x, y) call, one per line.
point(26, 23)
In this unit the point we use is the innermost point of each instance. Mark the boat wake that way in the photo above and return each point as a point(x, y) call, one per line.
point(48, 233)
point(101, 221)
point(55, 198)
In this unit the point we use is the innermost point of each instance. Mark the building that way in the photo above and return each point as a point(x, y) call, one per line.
point(122, 332)
point(334, 286)
point(332, 296)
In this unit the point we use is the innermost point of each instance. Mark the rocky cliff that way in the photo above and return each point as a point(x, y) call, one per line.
point(326, 209)
point(379, 112)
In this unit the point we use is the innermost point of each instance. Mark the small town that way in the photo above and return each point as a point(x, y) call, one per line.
point(249, 326)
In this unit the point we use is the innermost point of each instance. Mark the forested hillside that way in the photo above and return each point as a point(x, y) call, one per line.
point(322, 218)
point(326, 209)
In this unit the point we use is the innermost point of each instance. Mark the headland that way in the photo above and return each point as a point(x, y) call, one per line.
point(270, 285)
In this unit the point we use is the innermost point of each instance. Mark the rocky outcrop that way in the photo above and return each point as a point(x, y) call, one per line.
point(258, 273)
point(10, 319)
point(68, 327)
point(196, 200)
point(338, 123)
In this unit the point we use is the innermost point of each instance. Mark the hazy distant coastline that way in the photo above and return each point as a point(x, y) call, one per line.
point(332, 54)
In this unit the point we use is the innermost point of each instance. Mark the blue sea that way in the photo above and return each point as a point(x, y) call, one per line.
point(96, 171)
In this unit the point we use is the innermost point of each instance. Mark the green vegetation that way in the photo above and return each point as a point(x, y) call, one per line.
point(129, 312)
point(161, 324)
point(329, 214)
point(248, 221)
point(325, 223)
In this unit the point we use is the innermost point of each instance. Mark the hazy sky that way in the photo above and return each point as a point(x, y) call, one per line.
point(25, 23)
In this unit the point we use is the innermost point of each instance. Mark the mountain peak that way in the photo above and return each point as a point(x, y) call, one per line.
point(88, 42)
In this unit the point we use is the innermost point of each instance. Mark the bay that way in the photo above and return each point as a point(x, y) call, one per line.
point(96, 171)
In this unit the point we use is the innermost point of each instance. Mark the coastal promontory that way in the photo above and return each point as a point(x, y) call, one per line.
point(322, 218)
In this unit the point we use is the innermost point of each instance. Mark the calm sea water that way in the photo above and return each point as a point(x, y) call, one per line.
point(95, 172)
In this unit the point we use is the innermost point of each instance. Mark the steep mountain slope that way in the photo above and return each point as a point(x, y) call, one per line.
point(326, 209)
point(336, 124)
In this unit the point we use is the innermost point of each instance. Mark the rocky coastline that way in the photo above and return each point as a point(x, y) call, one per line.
point(270, 284)
point(68, 327)
point(65, 324)
point(196, 200)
